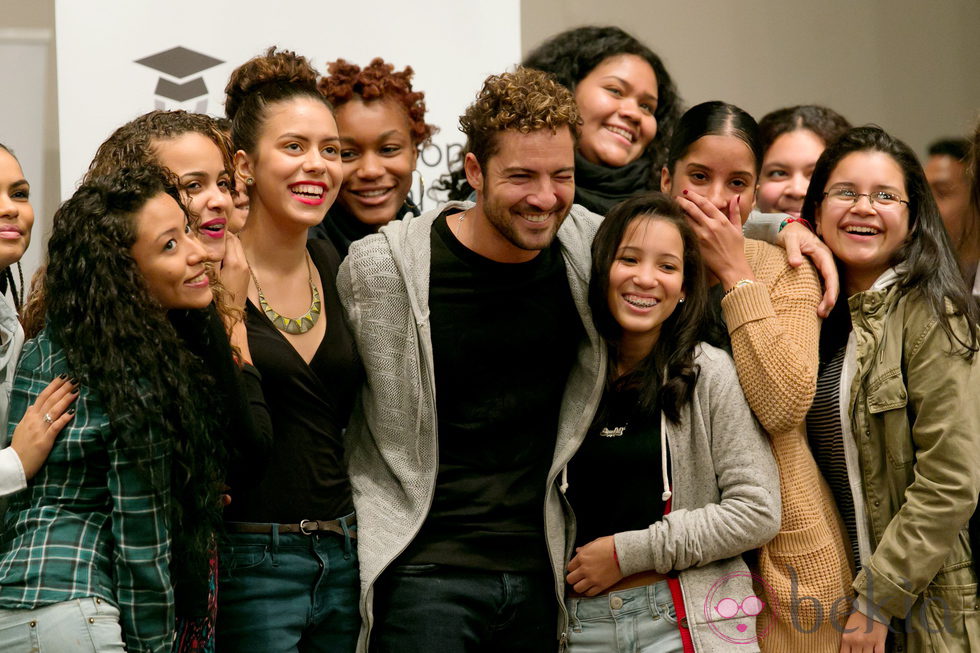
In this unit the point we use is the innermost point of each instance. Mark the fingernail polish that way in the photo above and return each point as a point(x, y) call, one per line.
point(71, 411)
point(74, 381)
point(75, 391)
point(685, 191)
point(62, 376)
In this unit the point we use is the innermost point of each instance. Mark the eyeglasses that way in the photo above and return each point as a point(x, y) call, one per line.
point(845, 197)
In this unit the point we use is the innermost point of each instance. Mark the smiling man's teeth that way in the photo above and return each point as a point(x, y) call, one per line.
point(642, 302)
point(308, 189)
point(868, 231)
point(536, 217)
point(622, 132)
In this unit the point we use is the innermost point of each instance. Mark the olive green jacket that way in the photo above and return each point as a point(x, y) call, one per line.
point(914, 412)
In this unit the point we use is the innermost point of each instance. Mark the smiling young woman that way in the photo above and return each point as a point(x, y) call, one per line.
point(127, 505)
point(902, 440)
point(629, 107)
point(297, 503)
point(672, 416)
point(382, 130)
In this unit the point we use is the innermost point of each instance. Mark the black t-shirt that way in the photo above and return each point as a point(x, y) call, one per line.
point(615, 479)
point(504, 338)
point(304, 476)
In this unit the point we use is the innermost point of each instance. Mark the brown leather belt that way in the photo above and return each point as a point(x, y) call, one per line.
point(305, 527)
point(641, 579)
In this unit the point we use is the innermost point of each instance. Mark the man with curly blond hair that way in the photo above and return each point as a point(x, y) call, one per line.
point(481, 364)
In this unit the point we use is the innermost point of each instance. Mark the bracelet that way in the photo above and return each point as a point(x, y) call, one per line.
point(739, 284)
point(802, 221)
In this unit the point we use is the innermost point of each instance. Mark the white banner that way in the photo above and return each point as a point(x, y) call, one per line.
point(117, 60)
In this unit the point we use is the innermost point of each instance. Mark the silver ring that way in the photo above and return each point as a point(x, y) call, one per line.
point(47, 418)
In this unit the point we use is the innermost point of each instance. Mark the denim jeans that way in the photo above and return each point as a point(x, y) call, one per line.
point(80, 626)
point(638, 620)
point(426, 608)
point(290, 592)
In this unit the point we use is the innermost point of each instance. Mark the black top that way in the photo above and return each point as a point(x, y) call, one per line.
point(615, 480)
point(504, 337)
point(304, 475)
point(341, 227)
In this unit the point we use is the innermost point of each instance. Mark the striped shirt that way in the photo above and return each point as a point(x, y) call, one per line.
point(825, 434)
point(89, 524)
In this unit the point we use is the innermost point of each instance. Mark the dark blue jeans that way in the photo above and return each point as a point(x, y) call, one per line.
point(291, 592)
point(426, 608)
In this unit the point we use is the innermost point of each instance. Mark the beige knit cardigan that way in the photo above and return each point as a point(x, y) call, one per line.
point(775, 330)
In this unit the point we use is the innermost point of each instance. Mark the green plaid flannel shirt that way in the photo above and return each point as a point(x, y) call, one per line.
point(89, 524)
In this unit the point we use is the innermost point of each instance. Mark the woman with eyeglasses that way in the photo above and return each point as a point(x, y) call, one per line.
point(895, 424)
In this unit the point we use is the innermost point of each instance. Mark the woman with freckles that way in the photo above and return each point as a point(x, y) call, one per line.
point(672, 419)
point(289, 569)
point(766, 312)
point(382, 130)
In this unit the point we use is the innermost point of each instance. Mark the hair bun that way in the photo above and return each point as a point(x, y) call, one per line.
point(273, 67)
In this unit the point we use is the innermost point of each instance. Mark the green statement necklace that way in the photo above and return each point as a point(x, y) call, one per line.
point(292, 325)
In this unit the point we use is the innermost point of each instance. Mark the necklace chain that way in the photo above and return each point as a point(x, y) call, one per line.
point(291, 325)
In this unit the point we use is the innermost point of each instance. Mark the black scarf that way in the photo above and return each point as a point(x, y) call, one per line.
point(599, 187)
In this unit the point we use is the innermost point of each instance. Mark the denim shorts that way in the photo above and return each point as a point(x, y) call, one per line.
point(637, 620)
point(80, 626)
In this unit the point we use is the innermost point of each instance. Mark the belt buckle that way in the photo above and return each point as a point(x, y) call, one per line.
point(302, 526)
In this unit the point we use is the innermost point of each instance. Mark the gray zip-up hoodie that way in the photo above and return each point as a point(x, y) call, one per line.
point(392, 442)
point(724, 501)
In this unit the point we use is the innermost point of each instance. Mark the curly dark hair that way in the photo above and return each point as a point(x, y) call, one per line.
point(276, 76)
point(378, 81)
point(927, 253)
point(131, 146)
point(118, 339)
point(680, 333)
point(826, 123)
point(525, 100)
point(571, 55)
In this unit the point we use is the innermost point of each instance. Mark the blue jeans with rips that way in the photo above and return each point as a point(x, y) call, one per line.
point(290, 592)
point(425, 608)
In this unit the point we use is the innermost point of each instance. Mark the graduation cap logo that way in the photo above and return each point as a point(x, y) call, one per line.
point(180, 80)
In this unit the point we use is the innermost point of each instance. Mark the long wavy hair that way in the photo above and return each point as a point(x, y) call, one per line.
point(668, 373)
point(119, 343)
point(133, 146)
point(927, 253)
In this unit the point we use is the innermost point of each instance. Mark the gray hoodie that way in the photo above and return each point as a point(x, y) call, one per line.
point(392, 440)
